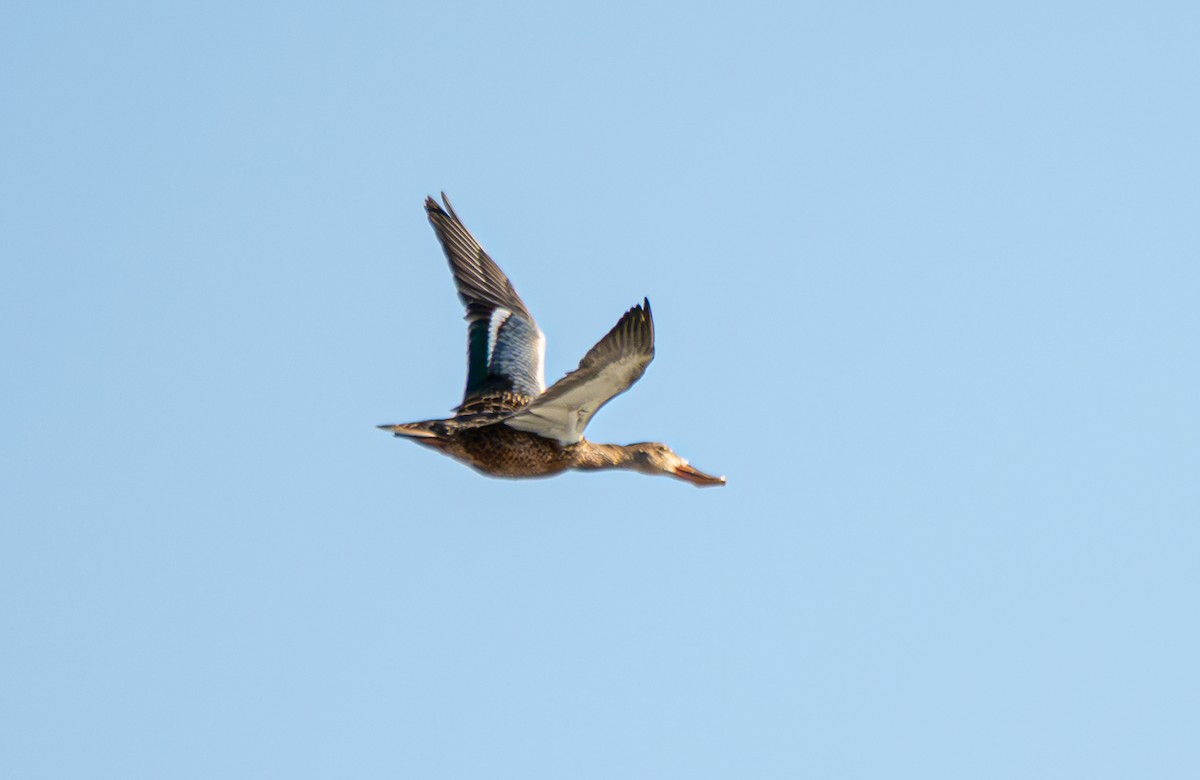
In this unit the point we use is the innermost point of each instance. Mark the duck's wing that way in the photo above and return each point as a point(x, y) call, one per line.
point(608, 369)
point(505, 348)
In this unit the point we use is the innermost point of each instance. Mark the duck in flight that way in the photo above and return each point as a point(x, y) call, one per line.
point(510, 424)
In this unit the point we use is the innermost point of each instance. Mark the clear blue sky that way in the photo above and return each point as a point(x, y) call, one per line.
point(926, 285)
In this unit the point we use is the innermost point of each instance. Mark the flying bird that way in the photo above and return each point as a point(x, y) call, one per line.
point(509, 423)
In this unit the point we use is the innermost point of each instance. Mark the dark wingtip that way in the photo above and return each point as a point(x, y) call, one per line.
point(444, 208)
point(641, 313)
point(643, 308)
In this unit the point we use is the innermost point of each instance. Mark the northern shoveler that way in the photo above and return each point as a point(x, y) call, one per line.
point(509, 423)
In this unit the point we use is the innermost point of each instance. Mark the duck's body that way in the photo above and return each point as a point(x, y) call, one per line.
point(482, 440)
point(485, 443)
point(510, 424)
point(498, 450)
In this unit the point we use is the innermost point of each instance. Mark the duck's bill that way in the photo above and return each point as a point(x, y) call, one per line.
point(697, 477)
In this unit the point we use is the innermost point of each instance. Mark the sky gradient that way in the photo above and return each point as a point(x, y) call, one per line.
point(925, 286)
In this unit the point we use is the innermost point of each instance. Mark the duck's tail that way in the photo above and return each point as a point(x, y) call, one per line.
point(422, 431)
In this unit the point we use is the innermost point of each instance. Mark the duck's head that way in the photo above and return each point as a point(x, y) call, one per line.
point(654, 458)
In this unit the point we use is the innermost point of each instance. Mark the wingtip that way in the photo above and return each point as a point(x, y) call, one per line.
point(642, 308)
point(449, 205)
point(432, 206)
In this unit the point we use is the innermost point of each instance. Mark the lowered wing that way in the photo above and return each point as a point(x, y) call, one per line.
point(608, 369)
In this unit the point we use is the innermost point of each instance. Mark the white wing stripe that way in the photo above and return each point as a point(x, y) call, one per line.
point(499, 315)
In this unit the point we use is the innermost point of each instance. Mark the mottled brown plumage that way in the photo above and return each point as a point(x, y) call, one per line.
point(497, 450)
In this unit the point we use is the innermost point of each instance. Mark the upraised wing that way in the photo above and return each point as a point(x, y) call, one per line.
point(505, 348)
point(608, 369)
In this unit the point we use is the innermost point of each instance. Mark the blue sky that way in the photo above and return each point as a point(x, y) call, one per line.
point(925, 286)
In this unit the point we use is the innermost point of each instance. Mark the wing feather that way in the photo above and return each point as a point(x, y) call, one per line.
point(607, 370)
point(505, 346)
